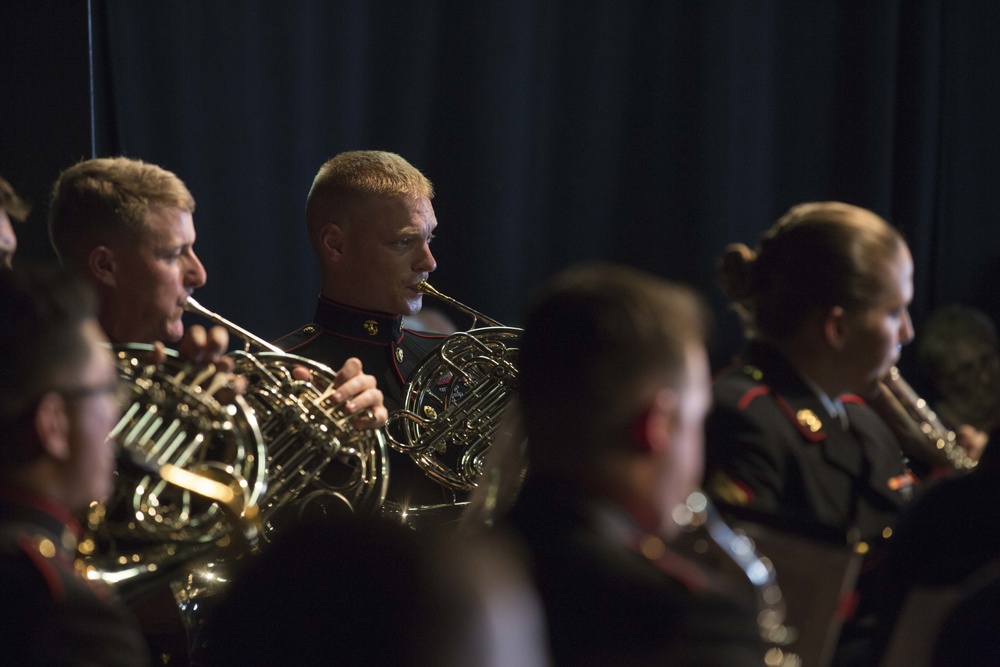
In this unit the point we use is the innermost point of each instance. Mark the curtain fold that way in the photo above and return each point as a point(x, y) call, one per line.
point(645, 132)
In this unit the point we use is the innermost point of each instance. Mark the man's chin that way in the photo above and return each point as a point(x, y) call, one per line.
point(413, 305)
point(172, 333)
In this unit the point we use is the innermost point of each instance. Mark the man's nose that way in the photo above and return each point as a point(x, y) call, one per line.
point(906, 332)
point(426, 262)
point(195, 276)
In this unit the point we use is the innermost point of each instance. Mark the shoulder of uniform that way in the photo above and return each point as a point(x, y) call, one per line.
point(46, 559)
point(741, 383)
point(747, 383)
point(299, 337)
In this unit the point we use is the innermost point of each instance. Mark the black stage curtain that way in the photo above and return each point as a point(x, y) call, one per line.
point(644, 132)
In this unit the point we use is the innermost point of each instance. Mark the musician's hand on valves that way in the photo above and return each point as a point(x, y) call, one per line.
point(207, 348)
point(361, 393)
point(972, 440)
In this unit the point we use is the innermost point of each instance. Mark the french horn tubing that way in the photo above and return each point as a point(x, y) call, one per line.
point(315, 455)
point(453, 403)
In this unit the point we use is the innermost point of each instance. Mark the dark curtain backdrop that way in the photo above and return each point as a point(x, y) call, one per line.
point(650, 133)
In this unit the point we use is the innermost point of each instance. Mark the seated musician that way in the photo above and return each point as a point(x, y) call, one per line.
point(370, 223)
point(827, 291)
point(959, 352)
point(613, 419)
point(12, 207)
point(128, 227)
point(57, 405)
point(825, 297)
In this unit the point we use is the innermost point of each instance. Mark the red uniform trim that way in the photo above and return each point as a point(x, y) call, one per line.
point(748, 397)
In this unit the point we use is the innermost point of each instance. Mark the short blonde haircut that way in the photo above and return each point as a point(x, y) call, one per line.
point(97, 200)
point(349, 180)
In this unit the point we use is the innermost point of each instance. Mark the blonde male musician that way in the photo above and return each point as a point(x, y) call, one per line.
point(128, 227)
point(370, 222)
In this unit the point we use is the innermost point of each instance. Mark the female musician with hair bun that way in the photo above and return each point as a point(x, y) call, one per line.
point(824, 297)
point(790, 441)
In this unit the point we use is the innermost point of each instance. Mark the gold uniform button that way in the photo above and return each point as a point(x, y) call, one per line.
point(46, 547)
point(809, 420)
point(652, 547)
point(399, 354)
point(309, 329)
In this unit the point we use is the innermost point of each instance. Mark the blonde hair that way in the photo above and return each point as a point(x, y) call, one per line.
point(353, 178)
point(817, 256)
point(103, 198)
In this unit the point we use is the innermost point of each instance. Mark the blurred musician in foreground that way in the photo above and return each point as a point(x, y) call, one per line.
point(825, 295)
point(370, 223)
point(614, 386)
point(390, 596)
point(127, 226)
point(12, 207)
point(57, 405)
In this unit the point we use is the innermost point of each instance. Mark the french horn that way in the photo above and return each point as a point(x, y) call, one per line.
point(201, 482)
point(173, 420)
point(282, 445)
point(316, 459)
point(454, 401)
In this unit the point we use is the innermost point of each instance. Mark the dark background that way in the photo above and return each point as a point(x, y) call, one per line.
point(650, 133)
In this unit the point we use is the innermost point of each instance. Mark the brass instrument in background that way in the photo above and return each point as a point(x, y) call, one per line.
point(453, 403)
point(921, 433)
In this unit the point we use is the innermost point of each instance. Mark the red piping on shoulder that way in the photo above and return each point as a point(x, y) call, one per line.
point(751, 394)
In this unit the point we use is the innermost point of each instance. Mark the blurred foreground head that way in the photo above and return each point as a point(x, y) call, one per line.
point(613, 370)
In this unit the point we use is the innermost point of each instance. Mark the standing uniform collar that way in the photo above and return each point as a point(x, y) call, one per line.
point(834, 406)
point(370, 326)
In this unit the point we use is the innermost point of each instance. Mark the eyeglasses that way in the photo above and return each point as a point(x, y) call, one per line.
point(118, 390)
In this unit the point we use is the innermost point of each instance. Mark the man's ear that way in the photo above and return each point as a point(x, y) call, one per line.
point(331, 241)
point(52, 425)
point(836, 328)
point(652, 431)
point(102, 265)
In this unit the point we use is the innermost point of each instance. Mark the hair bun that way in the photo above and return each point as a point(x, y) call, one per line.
point(735, 271)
